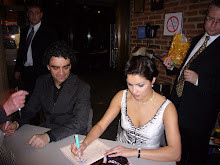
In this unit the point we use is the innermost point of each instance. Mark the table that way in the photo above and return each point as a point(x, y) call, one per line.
point(51, 154)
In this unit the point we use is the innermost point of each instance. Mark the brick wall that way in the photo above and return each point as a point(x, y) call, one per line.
point(194, 13)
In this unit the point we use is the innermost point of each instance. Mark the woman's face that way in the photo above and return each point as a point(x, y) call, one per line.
point(139, 86)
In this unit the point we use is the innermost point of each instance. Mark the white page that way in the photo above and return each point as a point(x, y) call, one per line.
point(93, 152)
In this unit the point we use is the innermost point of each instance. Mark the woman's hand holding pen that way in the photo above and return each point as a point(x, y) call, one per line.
point(76, 151)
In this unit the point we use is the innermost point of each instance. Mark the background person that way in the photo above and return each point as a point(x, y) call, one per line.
point(144, 114)
point(196, 101)
point(64, 98)
point(34, 39)
point(30, 53)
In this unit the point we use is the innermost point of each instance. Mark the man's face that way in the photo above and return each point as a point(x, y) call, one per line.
point(211, 27)
point(34, 15)
point(60, 69)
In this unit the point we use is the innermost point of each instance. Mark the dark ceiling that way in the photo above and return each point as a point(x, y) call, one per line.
point(95, 2)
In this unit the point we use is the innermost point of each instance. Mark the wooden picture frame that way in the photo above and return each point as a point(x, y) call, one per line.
point(139, 6)
point(157, 4)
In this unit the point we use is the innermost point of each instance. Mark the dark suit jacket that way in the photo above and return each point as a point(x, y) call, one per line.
point(3, 116)
point(69, 115)
point(40, 42)
point(198, 104)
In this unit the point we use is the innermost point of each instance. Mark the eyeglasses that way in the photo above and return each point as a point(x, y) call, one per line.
point(210, 19)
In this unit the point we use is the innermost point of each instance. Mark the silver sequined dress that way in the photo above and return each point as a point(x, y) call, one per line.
point(147, 135)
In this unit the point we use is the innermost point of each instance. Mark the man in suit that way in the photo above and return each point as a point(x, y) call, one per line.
point(196, 89)
point(64, 98)
point(33, 41)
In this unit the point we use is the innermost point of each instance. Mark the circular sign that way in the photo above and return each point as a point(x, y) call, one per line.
point(172, 24)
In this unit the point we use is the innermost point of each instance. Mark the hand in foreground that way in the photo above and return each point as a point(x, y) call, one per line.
point(190, 76)
point(168, 62)
point(121, 151)
point(76, 151)
point(38, 141)
point(14, 102)
point(10, 129)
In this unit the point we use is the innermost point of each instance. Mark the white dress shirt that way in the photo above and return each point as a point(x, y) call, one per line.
point(29, 61)
point(196, 48)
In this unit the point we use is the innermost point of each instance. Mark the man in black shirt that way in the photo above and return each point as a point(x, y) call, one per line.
point(63, 97)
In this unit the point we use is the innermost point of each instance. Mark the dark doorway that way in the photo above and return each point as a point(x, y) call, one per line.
point(85, 25)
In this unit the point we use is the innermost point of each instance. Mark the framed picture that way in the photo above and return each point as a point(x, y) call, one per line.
point(139, 6)
point(141, 32)
point(157, 4)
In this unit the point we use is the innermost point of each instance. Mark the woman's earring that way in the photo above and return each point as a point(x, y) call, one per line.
point(152, 85)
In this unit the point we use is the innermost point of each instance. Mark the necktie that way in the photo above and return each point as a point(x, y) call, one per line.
point(180, 84)
point(29, 38)
point(28, 41)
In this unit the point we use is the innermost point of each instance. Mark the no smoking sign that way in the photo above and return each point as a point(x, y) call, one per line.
point(173, 23)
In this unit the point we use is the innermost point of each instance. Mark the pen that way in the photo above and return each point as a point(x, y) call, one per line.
point(6, 125)
point(19, 109)
point(77, 144)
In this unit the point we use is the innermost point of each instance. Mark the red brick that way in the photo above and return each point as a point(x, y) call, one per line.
point(190, 13)
point(155, 17)
point(203, 12)
point(197, 32)
point(134, 19)
point(165, 78)
point(171, 4)
point(198, 6)
point(196, 19)
point(137, 23)
point(188, 26)
point(137, 41)
point(194, 13)
point(161, 42)
point(179, 9)
point(162, 72)
point(162, 67)
point(142, 18)
point(200, 25)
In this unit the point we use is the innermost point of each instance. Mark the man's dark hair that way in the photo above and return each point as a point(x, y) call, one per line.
point(34, 5)
point(59, 49)
point(143, 66)
point(214, 3)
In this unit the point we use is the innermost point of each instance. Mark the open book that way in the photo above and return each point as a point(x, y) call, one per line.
point(95, 151)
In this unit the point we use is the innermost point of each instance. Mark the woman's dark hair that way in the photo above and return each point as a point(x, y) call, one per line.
point(143, 66)
point(59, 49)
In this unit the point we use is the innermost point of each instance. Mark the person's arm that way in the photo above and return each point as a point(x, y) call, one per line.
point(14, 102)
point(96, 131)
point(171, 152)
point(3, 115)
point(168, 63)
